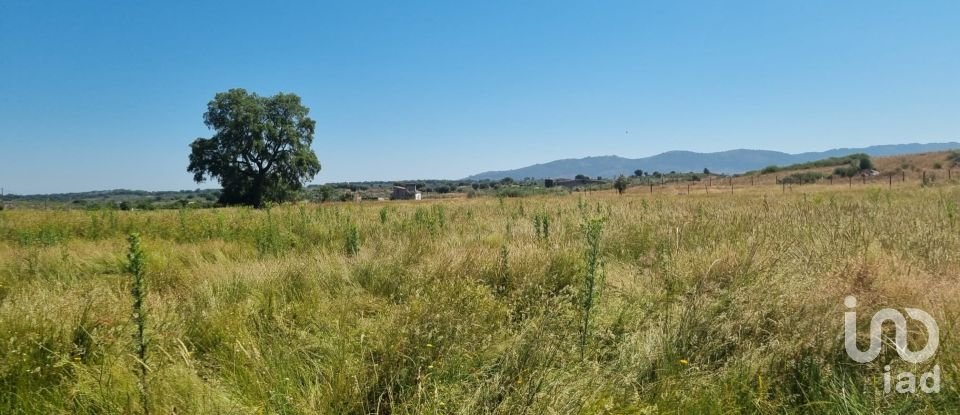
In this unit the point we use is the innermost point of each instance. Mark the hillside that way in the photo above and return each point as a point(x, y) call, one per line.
point(731, 161)
point(918, 162)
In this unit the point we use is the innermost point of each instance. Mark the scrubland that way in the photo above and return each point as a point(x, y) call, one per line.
point(702, 303)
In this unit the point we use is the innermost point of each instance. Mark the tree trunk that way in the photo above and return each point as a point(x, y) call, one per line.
point(257, 191)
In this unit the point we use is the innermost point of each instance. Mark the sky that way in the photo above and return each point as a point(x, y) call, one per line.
point(103, 95)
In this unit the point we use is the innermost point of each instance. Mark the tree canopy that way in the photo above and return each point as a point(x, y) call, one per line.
point(260, 150)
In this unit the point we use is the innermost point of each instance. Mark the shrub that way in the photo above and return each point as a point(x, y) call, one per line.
point(325, 193)
point(620, 184)
point(848, 171)
point(853, 159)
point(802, 178)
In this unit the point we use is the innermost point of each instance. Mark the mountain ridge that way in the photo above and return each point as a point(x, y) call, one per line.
point(728, 161)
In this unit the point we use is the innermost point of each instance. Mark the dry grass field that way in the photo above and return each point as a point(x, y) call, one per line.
point(712, 302)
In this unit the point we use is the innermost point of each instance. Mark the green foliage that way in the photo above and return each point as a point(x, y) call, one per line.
point(954, 156)
point(260, 150)
point(803, 178)
point(854, 160)
point(432, 219)
point(847, 171)
point(541, 224)
point(352, 243)
point(620, 184)
point(441, 215)
point(502, 278)
point(325, 193)
point(528, 191)
point(593, 279)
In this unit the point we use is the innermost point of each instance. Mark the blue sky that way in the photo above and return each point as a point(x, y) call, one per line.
point(102, 95)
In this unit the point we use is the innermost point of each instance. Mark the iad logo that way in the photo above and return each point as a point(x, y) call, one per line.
point(906, 381)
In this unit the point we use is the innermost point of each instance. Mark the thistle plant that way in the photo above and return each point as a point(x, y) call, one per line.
point(593, 280)
point(536, 225)
point(352, 245)
point(541, 224)
point(136, 263)
point(441, 217)
point(503, 270)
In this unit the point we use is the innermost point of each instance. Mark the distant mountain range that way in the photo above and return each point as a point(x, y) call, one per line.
point(731, 161)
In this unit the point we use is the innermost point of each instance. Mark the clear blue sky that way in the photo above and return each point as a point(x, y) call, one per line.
point(102, 95)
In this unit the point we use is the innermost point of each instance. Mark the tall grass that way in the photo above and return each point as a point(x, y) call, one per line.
point(709, 303)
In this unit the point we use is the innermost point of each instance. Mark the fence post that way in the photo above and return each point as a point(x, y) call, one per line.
point(891, 180)
point(651, 187)
point(903, 176)
point(851, 181)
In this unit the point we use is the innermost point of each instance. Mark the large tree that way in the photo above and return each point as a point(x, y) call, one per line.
point(260, 150)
